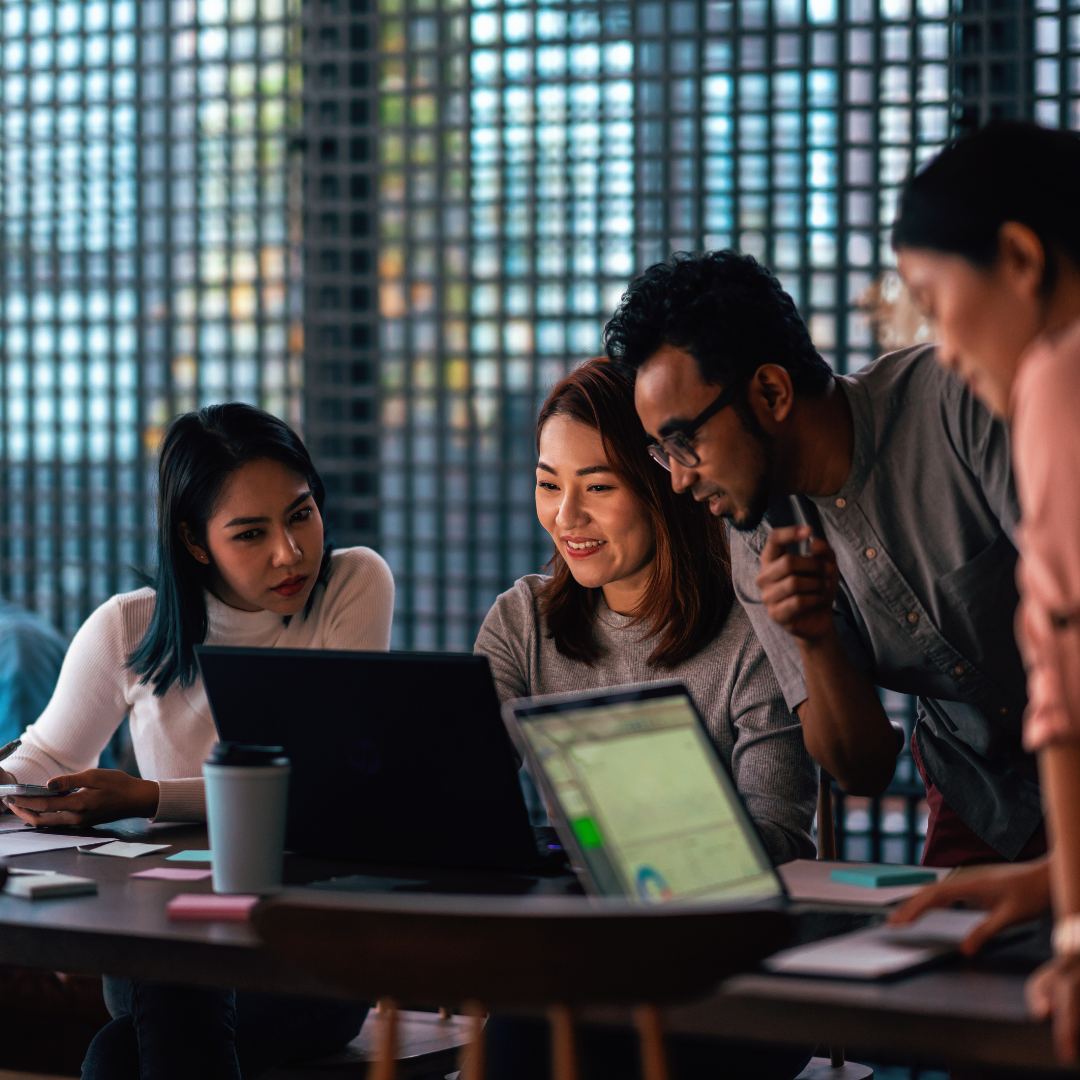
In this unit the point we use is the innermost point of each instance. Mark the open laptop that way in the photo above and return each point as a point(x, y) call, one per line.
point(396, 757)
point(639, 796)
point(648, 811)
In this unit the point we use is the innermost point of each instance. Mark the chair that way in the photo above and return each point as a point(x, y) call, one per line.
point(532, 953)
point(427, 1042)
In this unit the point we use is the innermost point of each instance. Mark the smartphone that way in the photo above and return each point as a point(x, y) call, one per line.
point(32, 791)
point(788, 512)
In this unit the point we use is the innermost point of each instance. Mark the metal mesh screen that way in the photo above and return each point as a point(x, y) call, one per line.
point(534, 156)
point(146, 265)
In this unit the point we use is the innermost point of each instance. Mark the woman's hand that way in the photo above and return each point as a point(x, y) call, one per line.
point(1010, 894)
point(101, 795)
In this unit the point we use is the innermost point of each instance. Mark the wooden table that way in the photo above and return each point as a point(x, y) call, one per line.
point(956, 1012)
point(123, 930)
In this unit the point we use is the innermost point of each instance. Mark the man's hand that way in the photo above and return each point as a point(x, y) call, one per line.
point(798, 590)
point(101, 795)
point(1011, 894)
point(1053, 992)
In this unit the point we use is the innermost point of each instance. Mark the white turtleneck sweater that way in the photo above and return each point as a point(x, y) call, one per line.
point(172, 735)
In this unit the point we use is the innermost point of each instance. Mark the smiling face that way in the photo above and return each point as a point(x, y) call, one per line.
point(735, 472)
point(984, 319)
point(264, 540)
point(598, 526)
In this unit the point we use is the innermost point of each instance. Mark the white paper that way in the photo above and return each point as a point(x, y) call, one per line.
point(809, 881)
point(849, 957)
point(11, 823)
point(32, 841)
point(878, 951)
point(123, 850)
point(939, 926)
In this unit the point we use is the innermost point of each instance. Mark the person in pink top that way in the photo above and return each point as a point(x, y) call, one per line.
point(988, 243)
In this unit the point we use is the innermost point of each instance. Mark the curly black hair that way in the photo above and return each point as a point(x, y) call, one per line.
point(723, 308)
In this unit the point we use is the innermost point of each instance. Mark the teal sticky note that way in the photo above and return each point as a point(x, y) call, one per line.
point(878, 877)
point(190, 856)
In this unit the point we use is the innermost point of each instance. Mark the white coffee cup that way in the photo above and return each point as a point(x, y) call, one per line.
point(247, 790)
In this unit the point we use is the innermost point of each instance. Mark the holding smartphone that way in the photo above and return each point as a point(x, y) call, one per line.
point(32, 791)
point(787, 512)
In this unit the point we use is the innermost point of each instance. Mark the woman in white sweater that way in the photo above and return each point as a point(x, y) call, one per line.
point(241, 561)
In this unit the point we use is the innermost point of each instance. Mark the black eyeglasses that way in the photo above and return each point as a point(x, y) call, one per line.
point(677, 444)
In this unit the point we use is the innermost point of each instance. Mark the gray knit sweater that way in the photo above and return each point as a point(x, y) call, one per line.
point(730, 680)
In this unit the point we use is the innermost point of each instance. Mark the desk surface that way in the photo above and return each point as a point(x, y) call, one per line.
point(124, 930)
point(957, 1012)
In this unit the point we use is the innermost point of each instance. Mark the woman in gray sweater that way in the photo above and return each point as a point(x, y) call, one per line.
point(640, 590)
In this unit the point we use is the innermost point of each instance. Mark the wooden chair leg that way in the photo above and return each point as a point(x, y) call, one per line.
point(385, 1065)
point(471, 1060)
point(650, 1028)
point(564, 1063)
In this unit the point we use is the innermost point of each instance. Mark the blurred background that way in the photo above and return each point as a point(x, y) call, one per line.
point(396, 223)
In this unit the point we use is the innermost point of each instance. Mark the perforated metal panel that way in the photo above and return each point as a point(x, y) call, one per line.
point(146, 265)
point(534, 156)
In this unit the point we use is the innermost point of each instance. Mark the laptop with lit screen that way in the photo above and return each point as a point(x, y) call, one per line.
point(639, 797)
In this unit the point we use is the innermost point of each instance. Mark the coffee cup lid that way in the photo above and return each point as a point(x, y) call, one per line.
point(230, 753)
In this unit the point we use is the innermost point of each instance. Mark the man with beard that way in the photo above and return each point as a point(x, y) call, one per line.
point(907, 583)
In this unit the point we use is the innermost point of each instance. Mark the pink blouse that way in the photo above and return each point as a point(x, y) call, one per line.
point(1046, 461)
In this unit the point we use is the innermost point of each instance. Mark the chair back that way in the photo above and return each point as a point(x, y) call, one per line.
point(438, 950)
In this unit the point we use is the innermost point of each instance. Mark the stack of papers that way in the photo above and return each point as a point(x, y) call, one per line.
point(37, 885)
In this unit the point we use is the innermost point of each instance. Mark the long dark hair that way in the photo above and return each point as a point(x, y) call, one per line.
point(690, 593)
point(1009, 171)
point(200, 451)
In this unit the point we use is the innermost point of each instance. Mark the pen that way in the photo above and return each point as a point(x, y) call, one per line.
point(7, 751)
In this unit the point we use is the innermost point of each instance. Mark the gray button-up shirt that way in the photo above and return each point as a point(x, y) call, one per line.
point(922, 529)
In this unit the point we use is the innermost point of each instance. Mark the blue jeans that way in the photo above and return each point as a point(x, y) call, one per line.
point(520, 1049)
point(163, 1032)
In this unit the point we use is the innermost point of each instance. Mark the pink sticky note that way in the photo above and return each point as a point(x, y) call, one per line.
point(169, 873)
point(209, 907)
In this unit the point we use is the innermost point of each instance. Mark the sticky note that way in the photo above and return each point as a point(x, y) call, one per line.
point(190, 856)
point(123, 850)
point(173, 873)
point(878, 877)
point(209, 907)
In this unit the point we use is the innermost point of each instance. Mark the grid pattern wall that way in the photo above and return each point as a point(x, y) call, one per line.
point(146, 265)
point(1055, 55)
point(340, 44)
point(221, 207)
point(71, 487)
point(534, 156)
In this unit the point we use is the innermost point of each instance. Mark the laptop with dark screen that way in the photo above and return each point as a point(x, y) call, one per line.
point(396, 757)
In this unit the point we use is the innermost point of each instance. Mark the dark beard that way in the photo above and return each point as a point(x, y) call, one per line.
point(762, 497)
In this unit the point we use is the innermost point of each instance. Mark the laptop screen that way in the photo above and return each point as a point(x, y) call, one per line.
point(652, 810)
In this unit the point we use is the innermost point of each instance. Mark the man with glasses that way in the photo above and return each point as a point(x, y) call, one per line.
point(901, 575)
